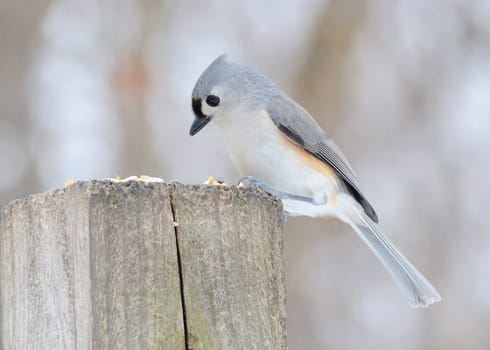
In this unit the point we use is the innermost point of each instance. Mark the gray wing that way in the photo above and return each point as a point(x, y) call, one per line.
point(300, 127)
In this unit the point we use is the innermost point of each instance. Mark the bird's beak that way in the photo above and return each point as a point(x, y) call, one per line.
point(201, 120)
point(198, 124)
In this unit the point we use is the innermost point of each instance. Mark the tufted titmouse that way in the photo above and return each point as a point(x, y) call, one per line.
point(271, 138)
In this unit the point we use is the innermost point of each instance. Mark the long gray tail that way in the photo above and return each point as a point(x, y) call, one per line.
point(415, 287)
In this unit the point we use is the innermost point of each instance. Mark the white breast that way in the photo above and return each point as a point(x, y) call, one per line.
point(258, 148)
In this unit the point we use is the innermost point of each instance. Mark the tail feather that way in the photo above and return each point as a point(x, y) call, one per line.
point(415, 287)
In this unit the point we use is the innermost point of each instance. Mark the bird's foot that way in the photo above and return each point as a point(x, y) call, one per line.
point(251, 181)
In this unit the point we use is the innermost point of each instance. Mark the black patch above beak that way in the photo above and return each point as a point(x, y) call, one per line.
point(201, 120)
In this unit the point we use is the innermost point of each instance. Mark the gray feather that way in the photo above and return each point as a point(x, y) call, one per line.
point(300, 127)
point(249, 88)
point(414, 286)
point(245, 93)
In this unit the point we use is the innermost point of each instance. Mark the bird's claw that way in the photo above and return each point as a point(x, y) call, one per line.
point(252, 181)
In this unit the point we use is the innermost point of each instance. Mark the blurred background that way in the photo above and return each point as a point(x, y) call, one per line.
point(90, 89)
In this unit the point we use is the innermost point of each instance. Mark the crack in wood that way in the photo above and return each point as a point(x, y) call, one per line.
point(181, 278)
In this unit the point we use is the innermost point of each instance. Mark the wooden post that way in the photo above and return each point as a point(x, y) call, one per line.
point(138, 265)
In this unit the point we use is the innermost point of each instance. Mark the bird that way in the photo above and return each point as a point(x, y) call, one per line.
point(275, 144)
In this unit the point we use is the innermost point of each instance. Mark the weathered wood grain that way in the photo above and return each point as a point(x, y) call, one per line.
point(97, 265)
point(136, 302)
point(90, 266)
point(231, 253)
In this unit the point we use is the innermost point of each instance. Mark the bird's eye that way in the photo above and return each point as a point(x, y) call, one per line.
point(212, 100)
